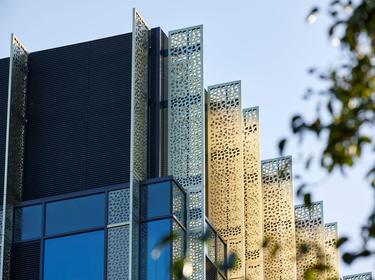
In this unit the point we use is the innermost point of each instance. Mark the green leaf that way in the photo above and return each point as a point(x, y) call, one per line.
point(307, 199)
point(341, 241)
point(281, 145)
point(348, 258)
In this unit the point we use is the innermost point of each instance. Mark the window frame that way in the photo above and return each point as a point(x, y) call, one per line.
point(103, 229)
point(44, 213)
point(170, 216)
point(41, 224)
point(217, 237)
point(106, 190)
point(43, 202)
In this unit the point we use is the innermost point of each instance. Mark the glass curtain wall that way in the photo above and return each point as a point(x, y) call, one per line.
point(162, 229)
point(75, 233)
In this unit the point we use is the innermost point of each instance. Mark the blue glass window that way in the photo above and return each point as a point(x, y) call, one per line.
point(79, 256)
point(179, 204)
point(156, 200)
point(28, 222)
point(75, 214)
point(156, 264)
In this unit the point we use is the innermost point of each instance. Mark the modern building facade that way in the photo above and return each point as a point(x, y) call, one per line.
point(117, 163)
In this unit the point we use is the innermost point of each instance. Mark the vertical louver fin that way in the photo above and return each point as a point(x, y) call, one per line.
point(331, 251)
point(278, 215)
point(253, 195)
point(310, 240)
point(186, 134)
point(225, 168)
point(138, 133)
point(14, 148)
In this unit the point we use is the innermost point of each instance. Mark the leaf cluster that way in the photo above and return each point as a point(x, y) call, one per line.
point(345, 116)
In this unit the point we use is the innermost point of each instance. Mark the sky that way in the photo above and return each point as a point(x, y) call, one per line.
point(268, 46)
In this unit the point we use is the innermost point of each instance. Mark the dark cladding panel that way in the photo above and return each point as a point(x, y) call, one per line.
point(4, 76)
point(109, 111)
point(56, 133)
point(78, 117)
point(25, 261)
point(158, 91)
point(164, 108)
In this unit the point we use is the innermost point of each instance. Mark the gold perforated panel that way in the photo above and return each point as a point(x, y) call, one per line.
point(332, 253)
point(310, 239)
point(253, 195)
point(186, 132)
point(225, 167)
point(278, 219)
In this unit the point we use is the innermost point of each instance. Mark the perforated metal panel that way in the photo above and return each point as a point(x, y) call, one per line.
point(310, 242)
point(118, 253)
point(225, 168)
point(253, 195)
point(360, 276)
point(278, 215)
point(118, 206)
point(15, 143)
point(138, 132)
point(331, 251)
point(186, 135)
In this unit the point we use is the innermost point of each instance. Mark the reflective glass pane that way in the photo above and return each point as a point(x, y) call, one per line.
point(156, 200)
point(27, 222)
point(178, 249)
point(221, 254)
point(211, 243)
point(179, 202)
point(155, 261)
point(79, 256)
point(210, 270)
point(75, 214)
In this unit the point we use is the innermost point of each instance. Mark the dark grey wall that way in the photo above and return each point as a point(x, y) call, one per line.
point(25, 261)
point(78, 130)
point(158, 89)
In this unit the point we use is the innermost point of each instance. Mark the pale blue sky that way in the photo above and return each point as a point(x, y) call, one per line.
point(266, 45)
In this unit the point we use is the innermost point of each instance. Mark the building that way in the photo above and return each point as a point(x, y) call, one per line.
point(110, 146)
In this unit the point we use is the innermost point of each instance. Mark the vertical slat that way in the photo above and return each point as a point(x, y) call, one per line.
point(360, 276)
point(331, 251)
point(186, 134)
point(15, 143)
point(225, 168)
point(310, 243)
point(278, 215)
point(253, 195)
point(138, 137)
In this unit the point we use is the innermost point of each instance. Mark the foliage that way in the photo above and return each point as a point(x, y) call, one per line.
point(345, 118)
point(182, 267)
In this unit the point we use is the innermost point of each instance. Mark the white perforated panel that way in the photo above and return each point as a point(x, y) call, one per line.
point(138, 138)
point(118, 253)
point(278, 214)
point(15, 142)
point(361, 276)
point(186, 135)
